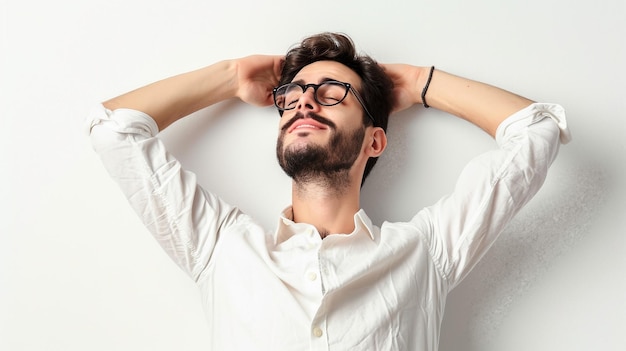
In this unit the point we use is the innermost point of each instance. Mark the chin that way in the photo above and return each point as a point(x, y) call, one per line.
point(301, 141)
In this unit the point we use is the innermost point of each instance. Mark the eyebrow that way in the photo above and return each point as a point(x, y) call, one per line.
point(325, 79)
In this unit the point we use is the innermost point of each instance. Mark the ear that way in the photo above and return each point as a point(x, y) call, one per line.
point(377, 142)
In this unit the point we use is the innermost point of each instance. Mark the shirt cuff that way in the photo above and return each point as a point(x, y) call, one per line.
point(533, 114)
point(121, 120)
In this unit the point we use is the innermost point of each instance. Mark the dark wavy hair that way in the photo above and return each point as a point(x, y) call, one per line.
point(376, 86)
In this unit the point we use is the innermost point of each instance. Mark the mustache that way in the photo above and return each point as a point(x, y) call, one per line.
point(311, 115)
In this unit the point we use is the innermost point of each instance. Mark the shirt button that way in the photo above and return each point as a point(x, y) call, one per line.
point(311, 276)
point(317, 332)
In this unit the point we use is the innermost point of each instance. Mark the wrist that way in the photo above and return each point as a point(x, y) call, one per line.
point(225, 79)
point(423, 75)
point(426, 85)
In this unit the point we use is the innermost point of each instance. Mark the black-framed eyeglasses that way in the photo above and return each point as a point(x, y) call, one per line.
point(327, 93)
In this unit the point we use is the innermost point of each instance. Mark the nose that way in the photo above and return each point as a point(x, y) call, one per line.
point(307, 100)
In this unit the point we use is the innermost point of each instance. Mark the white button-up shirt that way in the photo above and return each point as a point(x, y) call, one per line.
point(373, 289)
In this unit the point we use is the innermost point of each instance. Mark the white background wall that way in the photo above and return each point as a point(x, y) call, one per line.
point(79, 272)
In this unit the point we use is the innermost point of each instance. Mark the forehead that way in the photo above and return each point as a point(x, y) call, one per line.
point(320, 70)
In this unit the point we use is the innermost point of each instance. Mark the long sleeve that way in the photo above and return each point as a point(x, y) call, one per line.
point(492, 189)
point(184, 218)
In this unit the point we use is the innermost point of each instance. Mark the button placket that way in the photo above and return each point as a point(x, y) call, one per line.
point(319, 332)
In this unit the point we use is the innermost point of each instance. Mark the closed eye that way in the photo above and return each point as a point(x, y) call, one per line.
point(291, 104)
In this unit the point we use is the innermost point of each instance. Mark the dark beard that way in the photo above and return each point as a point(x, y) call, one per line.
point(326, 165)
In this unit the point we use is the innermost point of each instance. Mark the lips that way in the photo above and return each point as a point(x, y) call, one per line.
point(306, 123)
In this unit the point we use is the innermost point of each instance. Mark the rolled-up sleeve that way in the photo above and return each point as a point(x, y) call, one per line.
point(184, 218)
point(492, 188)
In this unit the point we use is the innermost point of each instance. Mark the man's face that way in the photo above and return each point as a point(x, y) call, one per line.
point(316, 140)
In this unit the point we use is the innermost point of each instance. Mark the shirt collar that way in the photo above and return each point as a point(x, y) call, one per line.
point(287, 227)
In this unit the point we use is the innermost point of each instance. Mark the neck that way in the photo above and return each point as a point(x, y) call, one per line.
point(330, 209)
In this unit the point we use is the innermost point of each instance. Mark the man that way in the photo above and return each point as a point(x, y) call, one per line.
point(326, 278)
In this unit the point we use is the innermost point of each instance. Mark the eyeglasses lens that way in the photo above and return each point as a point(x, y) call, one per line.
point(327, 94)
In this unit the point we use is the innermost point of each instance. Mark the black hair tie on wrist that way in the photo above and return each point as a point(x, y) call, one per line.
point(430, 76)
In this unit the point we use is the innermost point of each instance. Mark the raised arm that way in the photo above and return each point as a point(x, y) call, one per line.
point(185, 219)
point(250, 78)
point(495, 185)
point(484, 105)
